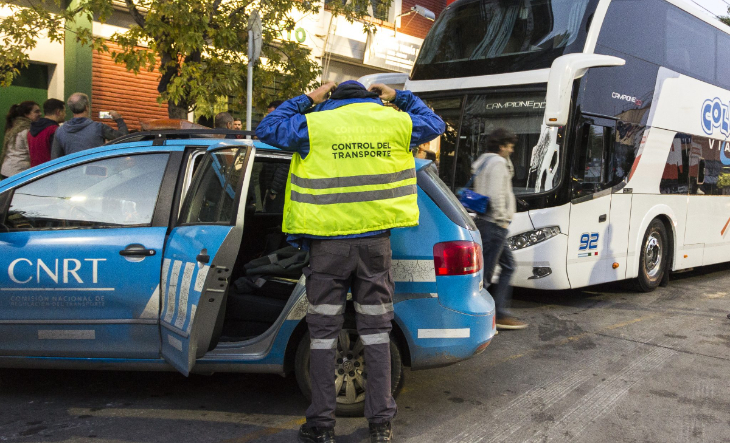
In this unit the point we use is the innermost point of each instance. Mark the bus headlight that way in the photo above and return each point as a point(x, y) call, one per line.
point(530, 238)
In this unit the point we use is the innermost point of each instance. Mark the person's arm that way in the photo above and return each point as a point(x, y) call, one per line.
point(56, 149)
point(110, 133)
point(286, 126)
point(427, 125)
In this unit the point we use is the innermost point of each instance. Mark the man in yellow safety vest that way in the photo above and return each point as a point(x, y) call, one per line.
point(352, 179)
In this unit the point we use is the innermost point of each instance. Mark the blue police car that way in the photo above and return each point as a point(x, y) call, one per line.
point(164, 250)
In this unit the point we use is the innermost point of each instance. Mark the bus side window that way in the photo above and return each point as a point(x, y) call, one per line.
point(590, 168)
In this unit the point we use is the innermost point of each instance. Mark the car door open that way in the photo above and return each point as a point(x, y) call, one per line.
point(200, 253)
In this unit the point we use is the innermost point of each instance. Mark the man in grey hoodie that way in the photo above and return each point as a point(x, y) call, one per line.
point(493, 178)
point(81, 132)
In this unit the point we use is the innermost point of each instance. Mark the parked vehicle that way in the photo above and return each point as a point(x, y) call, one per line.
point(621, 111)
point(157, 253)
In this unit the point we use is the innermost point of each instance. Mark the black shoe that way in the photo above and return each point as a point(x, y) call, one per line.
point(381, 433)
point(309, 434)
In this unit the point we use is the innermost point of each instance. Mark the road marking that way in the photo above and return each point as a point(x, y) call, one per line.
point(293, 424)
point(517, 417)
point(520, 410)
point(261, 420)
point(603, 398)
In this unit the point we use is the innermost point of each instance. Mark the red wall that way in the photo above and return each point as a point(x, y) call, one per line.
point(414, 24)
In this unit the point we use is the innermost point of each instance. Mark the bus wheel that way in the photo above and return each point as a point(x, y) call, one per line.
point(654, 257)
point(350, 372)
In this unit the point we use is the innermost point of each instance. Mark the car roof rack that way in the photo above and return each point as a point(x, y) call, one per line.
point(160, 136)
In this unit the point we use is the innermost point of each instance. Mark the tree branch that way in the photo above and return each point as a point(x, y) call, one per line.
point(214, 9)
point(138, 17)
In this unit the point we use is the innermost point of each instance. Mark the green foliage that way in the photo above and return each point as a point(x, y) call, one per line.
point(201, 45)
point(725, 19)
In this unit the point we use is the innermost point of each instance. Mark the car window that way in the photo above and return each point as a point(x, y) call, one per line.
point(212, 196)
point(113, 192)
point(268, 184)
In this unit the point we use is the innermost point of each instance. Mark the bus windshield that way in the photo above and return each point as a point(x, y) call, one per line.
point(469, 120)
point(481, 37)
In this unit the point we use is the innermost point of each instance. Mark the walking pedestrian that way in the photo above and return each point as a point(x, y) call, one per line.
point(81, 132)
point(41, 134)
point(493, 177)
point(15, 157)
point(352, 179)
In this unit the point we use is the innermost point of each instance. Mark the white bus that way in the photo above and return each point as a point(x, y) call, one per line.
point(622, 168)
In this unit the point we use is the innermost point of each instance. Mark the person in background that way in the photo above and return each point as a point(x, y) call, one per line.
point(223, 120)
point(347, 230)
point(237, 124)
point(81, 132)
point(40, 136)
point(14, 157)
point(205, 121)
point(493, 173)
point(273, 105)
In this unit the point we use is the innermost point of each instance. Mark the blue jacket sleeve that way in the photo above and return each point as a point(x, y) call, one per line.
point(426, 124)
point(286, 127)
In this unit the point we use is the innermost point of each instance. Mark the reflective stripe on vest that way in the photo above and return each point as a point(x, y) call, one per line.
point(359, 175)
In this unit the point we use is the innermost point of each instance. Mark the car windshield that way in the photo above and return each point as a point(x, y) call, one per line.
point(469, 120)
point(477, 37)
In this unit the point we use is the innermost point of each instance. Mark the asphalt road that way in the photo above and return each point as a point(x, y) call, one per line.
point(603, 364)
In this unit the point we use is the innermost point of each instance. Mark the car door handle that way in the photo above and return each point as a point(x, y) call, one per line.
point(601, 218)
point(137, 250)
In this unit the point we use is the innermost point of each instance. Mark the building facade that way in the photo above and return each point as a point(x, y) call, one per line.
point(343, 50)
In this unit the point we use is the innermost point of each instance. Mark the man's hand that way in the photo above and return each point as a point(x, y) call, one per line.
point(115, 115)
point(320, 94)
point(386, 93)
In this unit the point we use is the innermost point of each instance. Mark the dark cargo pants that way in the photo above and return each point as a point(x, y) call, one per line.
point(335, 266)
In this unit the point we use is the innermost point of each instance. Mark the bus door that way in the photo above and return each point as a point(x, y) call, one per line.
point(589, 230)
point(200, 253)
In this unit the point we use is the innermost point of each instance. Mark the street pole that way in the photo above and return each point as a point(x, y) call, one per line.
point(254, 51)
point(249, 85)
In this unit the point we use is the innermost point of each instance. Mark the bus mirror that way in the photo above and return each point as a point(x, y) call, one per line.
point(564, 70)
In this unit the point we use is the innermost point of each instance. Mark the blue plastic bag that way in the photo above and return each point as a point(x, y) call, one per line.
point(470, 199)
point(473, 200)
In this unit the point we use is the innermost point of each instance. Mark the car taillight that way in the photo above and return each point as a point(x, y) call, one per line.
point(457, 258)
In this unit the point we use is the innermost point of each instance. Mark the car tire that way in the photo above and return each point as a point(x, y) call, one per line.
point(354, 406)
point(653, 257)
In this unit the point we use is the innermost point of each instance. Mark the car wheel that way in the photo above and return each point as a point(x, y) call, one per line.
point(350, 372)
point(654, 257)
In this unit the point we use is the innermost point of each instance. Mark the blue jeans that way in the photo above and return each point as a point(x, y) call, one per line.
point(495, 250)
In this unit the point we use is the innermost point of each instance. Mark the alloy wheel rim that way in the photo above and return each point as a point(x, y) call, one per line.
point(653, 255)
point(350, 374)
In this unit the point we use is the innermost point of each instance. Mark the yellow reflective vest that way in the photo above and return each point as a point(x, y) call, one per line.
point(359, 175)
